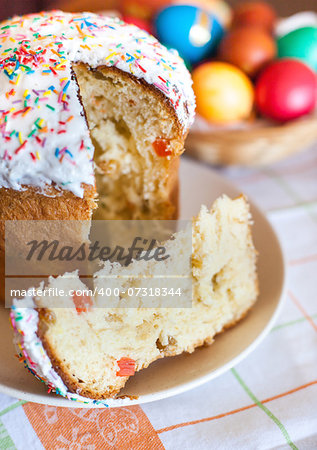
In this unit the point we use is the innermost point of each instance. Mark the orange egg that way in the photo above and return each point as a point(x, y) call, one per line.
point(223, 92)
point(249, 48)
point(259, 14)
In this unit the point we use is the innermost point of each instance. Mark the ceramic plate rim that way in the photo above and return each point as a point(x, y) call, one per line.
point(54, 400)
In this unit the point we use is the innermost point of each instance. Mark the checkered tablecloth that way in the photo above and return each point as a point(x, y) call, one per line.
point(267, 401)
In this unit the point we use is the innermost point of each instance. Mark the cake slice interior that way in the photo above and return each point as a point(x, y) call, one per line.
point(137, 141)
point(94, 349)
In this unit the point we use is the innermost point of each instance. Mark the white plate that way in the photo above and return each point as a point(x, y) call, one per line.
point(174, 375)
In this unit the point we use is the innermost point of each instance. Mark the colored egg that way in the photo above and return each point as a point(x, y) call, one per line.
point(285, 90)
point(301, 44)
point(299, 20)
point(218, 8)
point(259, 14)
point(141, 23)
point(249, 48)
point(223, 92)
point(190, 30)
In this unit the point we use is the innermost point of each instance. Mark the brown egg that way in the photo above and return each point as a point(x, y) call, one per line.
point(249, 48)
point(259, 14)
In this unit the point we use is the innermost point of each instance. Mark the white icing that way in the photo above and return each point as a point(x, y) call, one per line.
point(35, 71)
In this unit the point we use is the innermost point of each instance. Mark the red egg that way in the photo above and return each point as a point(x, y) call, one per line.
point(259, 14)
point(141, 23)
point(249, 48)
point(287, 89)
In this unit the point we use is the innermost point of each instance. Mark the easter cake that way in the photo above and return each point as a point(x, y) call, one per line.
point(87, 352)
point(82, 90)
point(93, 115)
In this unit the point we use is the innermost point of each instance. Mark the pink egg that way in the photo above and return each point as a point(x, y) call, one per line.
point(287, 89)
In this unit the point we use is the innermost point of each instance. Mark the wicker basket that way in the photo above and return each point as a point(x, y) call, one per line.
point(254, 146)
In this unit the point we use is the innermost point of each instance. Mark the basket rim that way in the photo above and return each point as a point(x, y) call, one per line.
point(270, 128)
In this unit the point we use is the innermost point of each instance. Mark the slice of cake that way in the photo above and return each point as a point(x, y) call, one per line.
point(86, 351)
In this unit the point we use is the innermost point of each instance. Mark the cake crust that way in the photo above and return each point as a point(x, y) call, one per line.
point(150, 88)
point(32, 204)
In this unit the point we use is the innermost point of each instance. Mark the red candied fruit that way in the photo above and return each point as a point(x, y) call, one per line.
point(160, 146)
point(82, 303)
point(126, 366)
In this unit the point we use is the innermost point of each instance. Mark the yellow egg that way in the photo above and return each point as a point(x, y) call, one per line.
point(223, 92)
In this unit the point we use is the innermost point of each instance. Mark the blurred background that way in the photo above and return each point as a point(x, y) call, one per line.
point(8, 8)
point(253, 65)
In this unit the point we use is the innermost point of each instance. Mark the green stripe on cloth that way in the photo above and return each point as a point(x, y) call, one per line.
point(290, 191)
point(265, 409)
point(292, 322)
point(11, 407)
point(6, 443)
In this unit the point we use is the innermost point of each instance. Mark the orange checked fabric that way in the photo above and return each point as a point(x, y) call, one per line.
point(268, 401)
point(123, 428)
